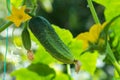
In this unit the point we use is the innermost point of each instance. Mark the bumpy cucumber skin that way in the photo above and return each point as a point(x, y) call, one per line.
point(44, 32)
point(26, 39)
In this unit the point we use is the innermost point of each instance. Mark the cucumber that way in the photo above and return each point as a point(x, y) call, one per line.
point(47, 36)
point(26, 38)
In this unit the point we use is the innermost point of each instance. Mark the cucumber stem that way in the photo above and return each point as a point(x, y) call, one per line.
point(3, 27)
point(92, 9)
point(69, 71)
point(113, 59)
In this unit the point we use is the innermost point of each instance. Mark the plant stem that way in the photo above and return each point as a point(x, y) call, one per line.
point(3, 27)
point(8, 6)
point(113, 59)
point(69, 71)
point(92, 9)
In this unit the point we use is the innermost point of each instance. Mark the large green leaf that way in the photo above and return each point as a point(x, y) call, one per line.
point(42, 69)
point(41, 55)
point(64, 34)
point(111, 10)
point(89, 61)
point(61, 76)
point(37, 71)
point(25, 74)
point(76, 48)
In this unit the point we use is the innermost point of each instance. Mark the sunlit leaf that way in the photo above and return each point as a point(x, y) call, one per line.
point(41, 55)
point(88, 61)
point(34, 72)
point(25, 74)
point(42, 69)
point(61, 76)
point(38, 72)
point(16, 3)
point(64, 34)
point(111, 12)
point(76, 48)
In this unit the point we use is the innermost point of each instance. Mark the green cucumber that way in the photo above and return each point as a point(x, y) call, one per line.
point(26, 38)
point(47, 36)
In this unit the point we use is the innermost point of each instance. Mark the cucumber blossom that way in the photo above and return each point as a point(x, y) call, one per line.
point(47, 36)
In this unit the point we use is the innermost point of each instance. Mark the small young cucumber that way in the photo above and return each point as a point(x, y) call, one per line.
point(27, 42)
point(26, 38)
point(46, 35)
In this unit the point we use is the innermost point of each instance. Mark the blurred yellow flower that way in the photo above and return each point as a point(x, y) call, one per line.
point(18, 16)
point(91, 36)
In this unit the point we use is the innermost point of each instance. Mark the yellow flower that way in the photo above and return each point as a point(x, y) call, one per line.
point(91, 36)
point(18, 16)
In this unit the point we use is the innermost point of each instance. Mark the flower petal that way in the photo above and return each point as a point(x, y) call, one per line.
point(95, 31)
point(18, 16)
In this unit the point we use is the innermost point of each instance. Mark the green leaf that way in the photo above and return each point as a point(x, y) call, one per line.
point(25, 74)
point(41, 55)
point(89, 61)
point(116, 79)
point(42, 69)
point(61, 76)
point(37, 71)
point(110, 12)
point(64, 34)
point(76, 48)
point(16, 3)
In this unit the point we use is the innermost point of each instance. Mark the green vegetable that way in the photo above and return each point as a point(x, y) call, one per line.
point(26, 38)
point(46, 35)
